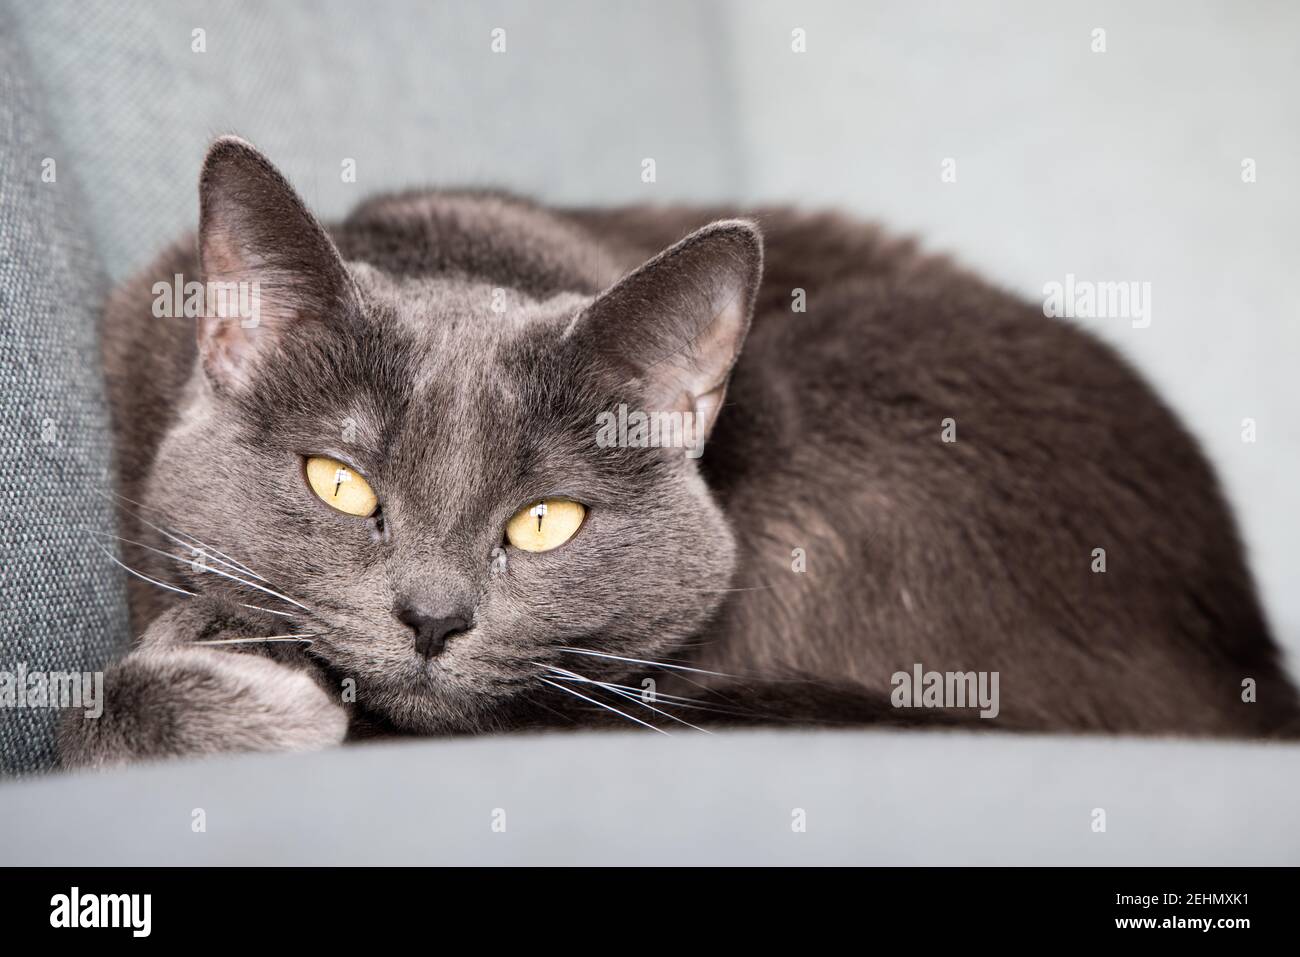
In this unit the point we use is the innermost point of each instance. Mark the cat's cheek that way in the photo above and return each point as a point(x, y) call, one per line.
point(583, 577)
point(540, 610)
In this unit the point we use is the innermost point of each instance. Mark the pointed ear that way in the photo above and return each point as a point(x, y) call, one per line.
point(676, 324)
point(262, 249)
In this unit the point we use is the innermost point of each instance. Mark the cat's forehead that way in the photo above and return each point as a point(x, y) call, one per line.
point(464, 338)
point(445, 306)
point(457, 371)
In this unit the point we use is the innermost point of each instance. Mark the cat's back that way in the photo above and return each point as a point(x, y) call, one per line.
point(922, 467)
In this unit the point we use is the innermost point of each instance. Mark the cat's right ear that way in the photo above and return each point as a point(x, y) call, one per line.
point(267, 263)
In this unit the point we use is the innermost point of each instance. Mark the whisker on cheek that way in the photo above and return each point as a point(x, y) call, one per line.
point(205, 568)
point(140, 575)
point(677, 701)
point(269, 611)
point(186, 539)
point(602, 704)
point(643, 661)
point(669, 700)
point(175, 588)
point(306, 639)
point(631, 694)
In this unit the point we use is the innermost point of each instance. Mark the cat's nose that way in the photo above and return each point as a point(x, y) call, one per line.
point(431, 631)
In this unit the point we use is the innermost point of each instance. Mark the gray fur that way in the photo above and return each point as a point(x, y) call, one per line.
point(971, 555)
point(171, 697)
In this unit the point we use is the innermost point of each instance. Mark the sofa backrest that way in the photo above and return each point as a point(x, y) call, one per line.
point(401, 94)
point(63, 599)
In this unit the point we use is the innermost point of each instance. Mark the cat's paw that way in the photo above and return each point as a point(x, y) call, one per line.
point(170, 702)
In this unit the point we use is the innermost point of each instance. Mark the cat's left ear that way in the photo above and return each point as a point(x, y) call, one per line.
point(676, 325)
point(259, 243)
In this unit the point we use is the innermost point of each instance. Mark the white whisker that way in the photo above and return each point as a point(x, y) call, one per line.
point(248, 641)
point(642, 661)
point(215, 571)
point(193, 539)
point(668, 700)
point(602, 705)
point(629, 694)
point(659, 695)
point(202, 549)
point(222, 557)
point(180, 591)
point(674, 701)
point(269, 611)
point(152, 581)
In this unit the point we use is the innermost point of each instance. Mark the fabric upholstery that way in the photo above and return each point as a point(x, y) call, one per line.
point(412, 92)
point(63, 599)
point(867, 797)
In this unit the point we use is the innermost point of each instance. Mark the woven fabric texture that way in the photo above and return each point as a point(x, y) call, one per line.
point(63, 599)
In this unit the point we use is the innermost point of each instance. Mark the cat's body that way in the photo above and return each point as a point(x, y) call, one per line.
point(975, 554)
point(832, 529)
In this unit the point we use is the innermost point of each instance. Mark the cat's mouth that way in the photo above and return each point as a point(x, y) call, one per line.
point(449, 690)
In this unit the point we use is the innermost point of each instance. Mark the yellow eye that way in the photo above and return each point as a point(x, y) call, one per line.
point(545, 525)
point(340, 487)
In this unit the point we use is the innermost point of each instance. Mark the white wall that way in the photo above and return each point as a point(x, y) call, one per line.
point(1123, 165)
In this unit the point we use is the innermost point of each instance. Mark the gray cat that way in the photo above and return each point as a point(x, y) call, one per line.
point(447, 479)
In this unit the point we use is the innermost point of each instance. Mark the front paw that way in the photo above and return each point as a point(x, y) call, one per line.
point(170, 702)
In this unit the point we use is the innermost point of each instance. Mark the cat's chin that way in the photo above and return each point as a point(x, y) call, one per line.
point(413, 713)
point(433, 702)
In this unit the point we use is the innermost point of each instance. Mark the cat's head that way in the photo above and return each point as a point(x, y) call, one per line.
point(375, 449)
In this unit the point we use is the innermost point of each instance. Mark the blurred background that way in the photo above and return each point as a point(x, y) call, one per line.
point(1117, 160)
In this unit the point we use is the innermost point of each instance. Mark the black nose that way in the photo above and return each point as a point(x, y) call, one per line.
point(431, 633)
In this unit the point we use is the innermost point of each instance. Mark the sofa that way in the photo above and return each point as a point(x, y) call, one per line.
point(1128, 161)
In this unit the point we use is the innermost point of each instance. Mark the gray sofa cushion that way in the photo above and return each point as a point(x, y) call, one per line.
point(64, 604)
point(868, 797)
